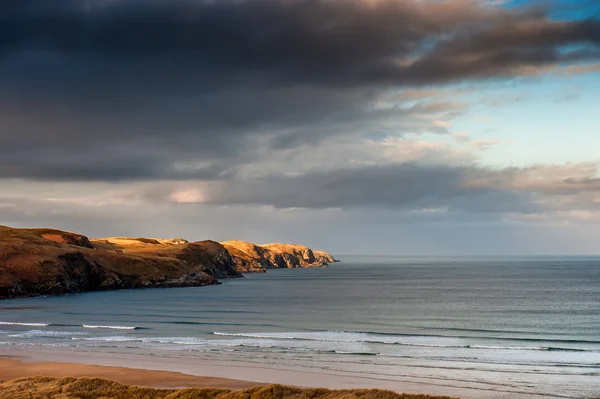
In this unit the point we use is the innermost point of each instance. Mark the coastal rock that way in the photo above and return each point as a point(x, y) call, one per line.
point(251, 258)
point(33, 264)
point(46, 261)
point(324, 257)
point(248, 257)
point(214, 258)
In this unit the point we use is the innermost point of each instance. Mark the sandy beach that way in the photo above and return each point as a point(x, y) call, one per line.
point(151, 371)
point(11, 368)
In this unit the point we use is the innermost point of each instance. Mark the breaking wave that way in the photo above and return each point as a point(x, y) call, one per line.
point(385, 339)
point(111, 327)
point(13, 323)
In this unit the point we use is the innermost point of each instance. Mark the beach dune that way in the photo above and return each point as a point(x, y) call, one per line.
point(75, 381)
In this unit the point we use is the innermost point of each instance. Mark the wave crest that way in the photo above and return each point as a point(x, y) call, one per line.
point(110, 327)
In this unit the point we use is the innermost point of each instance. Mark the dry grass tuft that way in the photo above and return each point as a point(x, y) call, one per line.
point(96, 388)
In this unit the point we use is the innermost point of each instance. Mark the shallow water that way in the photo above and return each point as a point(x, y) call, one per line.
point(512, 325)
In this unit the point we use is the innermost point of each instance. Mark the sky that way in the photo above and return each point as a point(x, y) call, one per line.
point(355, 126)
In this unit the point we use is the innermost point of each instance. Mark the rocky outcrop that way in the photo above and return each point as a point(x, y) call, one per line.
point(324, 257)
point(248, 257)
point(39, 262)
point(214, 258)
point(251, 258)
point(45, 261)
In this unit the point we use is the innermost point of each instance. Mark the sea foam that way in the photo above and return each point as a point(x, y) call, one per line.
point(110, 327)
point(11, 323)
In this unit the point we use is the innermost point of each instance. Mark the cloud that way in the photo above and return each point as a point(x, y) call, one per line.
point(232, 119)
point(394, 186)
point(389, 208)
point(405, 193)
point(140, 90)
point(455, 190)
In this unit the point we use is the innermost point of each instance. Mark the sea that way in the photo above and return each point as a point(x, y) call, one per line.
point(507, 325)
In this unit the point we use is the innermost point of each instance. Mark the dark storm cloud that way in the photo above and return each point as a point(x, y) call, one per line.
point(396, 186)
point(132, 89)
point(422, 188)
point(316, 41)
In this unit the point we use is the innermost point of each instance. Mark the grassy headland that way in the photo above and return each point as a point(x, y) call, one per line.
point(47, 261)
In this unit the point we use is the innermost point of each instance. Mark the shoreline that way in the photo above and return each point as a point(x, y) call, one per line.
point(317, 335)
point(156, 371)
point(13, 368)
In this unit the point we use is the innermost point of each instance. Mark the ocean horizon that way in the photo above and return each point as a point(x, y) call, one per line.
point(526, 326)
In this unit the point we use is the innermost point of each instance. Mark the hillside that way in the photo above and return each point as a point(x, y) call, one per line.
point(45, 261)
point(247, 257)
point(95, 388)
point(257, 258)
point(210, 255)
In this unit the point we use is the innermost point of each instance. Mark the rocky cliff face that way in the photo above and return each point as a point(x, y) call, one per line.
point(248, 257)
point(41, 262)
point(45, 261)
point(324, 257)
point(251, 258)
point(214, 258)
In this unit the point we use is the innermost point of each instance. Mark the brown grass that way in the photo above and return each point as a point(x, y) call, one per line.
point(96, 388)
point(46, 261)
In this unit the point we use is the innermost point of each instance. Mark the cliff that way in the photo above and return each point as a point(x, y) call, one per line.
point(211, 256)
point(250, 257)
point(44, 261)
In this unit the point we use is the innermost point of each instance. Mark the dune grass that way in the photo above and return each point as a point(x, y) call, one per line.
point(96, 388)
